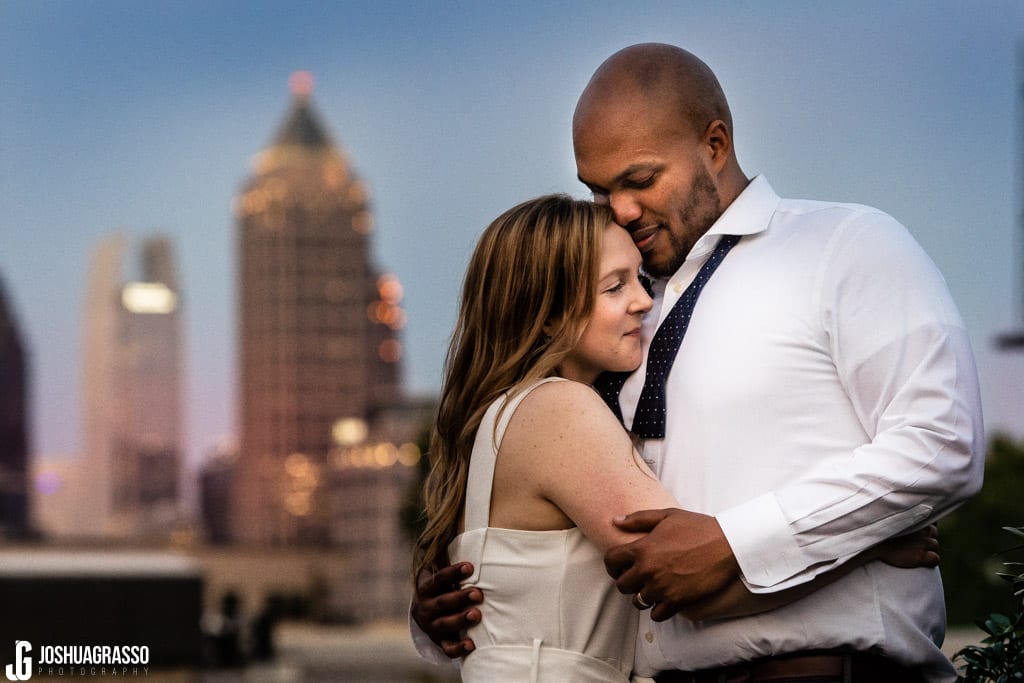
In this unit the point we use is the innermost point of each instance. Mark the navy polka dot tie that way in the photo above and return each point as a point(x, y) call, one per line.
point(649, 420)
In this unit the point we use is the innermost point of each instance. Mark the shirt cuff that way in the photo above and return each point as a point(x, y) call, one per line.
point(425, 647)
point(763, 544)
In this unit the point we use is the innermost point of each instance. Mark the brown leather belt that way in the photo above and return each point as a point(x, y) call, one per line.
point(809, 666)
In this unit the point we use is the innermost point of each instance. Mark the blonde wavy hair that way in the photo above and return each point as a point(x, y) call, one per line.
point(528, 294)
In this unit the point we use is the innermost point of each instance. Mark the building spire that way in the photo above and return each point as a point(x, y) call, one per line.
point(301, 137)
point(302, 128)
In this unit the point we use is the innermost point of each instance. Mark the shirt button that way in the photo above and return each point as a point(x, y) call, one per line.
point(649, 637)
point(678, 287)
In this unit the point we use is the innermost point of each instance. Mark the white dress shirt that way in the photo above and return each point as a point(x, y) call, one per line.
point(824, 399)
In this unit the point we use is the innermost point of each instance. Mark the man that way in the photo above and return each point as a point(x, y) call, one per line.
point(823, 399)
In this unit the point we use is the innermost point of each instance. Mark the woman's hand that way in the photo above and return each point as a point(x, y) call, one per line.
point(917, 549)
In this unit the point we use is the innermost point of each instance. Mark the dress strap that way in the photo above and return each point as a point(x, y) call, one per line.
point(489, 434)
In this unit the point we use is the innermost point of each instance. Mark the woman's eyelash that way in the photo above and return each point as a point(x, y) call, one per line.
point(616, 287)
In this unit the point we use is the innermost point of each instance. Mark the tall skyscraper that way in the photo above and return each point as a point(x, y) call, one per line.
point(14, 474)
point(319, 351)
point(132, 392)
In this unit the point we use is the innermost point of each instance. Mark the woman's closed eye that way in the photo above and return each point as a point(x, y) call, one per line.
point(615, 287)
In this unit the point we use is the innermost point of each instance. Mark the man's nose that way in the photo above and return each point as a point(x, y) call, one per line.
point(625, 208)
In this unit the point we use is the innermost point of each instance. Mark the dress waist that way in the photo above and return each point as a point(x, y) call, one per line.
point(537, 664)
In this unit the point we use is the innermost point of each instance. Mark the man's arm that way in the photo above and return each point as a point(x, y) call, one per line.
point(901, 352)
point(443, 611)
point(903, 357)
point(657, 569)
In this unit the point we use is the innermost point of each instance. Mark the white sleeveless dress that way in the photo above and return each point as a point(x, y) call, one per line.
point(551, 614)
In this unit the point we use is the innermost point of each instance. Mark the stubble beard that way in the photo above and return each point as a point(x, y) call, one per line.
point(696, 216)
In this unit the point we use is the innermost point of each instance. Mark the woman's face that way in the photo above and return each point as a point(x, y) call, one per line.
point(611, 339)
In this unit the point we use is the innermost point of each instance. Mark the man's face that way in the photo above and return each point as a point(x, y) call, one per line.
point(653, 173)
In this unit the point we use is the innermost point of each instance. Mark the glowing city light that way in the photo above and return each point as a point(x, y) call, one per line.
point(389, 288)
point(301, 83)
point(385, 455)
point(362, 222)
point(297, 465)
point(148, 298)
point(349, 431)
point(409, 454)
point(390, 351)
point(358, 192)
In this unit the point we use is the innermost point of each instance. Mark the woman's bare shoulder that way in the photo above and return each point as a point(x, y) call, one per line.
point(562, 410)
point(565, 396)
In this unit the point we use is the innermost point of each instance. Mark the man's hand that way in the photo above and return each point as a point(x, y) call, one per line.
point(684, 558)
point(443, 610)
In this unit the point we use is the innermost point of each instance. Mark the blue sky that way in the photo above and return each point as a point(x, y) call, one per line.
point(144, 116)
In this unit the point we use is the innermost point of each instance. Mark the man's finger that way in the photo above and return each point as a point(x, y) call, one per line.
point(618, 559)
point(641, 521)
point(663, 611)
point(641, 603)
point(457, 648)
point(458, 601)
point(629, 582)
point(451, 627)
point(431, 583)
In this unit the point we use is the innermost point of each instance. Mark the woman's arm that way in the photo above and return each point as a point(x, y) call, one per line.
point(566, 460)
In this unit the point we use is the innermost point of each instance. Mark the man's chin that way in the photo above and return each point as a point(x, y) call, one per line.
point(659, 268)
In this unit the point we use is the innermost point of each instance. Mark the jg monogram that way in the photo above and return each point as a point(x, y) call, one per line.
point(21, 670)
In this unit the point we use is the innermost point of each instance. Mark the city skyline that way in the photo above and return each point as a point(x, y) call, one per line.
point(119, 114)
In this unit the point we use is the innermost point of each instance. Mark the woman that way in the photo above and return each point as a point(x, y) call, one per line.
point(552, 298)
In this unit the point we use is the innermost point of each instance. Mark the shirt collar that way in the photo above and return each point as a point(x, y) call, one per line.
point(748, 214)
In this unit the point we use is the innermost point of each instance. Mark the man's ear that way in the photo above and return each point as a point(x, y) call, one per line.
point(718, 142)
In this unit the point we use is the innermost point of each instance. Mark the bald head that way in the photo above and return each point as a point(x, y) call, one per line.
point(654, 78)
point(652, 136)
